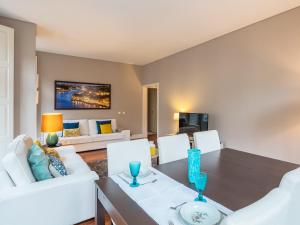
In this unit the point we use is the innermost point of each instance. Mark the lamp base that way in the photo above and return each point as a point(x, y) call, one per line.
point(52, 140)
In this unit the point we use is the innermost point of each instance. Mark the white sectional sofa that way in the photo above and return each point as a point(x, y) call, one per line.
point(63, 200)
point(89, 138)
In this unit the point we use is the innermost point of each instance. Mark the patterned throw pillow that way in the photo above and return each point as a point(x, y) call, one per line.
point(104, 129)
point(72, 132)
point(57, 168)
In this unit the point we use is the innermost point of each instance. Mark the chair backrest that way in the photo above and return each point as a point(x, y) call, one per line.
point(291, 184)
point(270, 210)
point(207, 141)
point(172, 148)
point(121, 153)
point(279, 207)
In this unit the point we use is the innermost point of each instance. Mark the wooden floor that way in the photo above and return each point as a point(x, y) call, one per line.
point(100, 155)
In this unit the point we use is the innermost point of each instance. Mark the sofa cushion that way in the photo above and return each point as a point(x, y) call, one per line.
point(39, 163)
point(15, 161)
point(5, 181)
point(93, 125)
point(83, 126)
point(106, 137)
point(89, 139)
point(74, 140)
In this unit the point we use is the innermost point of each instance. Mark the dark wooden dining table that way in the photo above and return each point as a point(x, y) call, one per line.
point(235, 179)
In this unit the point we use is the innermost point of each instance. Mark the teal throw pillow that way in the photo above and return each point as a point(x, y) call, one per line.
point(39, 163)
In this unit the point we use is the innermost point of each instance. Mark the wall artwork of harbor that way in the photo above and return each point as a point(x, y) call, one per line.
point(75, 95)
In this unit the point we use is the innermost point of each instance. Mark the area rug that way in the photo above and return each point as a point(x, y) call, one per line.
point(100, 167)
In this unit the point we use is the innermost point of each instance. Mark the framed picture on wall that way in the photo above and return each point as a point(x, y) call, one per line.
point(78, 95)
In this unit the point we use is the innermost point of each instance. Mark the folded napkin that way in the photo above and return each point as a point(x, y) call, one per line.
point(141, 180)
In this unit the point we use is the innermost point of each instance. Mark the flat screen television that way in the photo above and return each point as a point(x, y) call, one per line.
point(193, 122)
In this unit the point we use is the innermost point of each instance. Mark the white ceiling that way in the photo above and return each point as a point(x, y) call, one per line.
point(136, 31)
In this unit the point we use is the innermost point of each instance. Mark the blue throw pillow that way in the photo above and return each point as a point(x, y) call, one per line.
point(98, 123)
point(39, 163)
point(57, 167)
point(71, 125)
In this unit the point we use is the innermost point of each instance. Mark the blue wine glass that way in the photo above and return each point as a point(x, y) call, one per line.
point(200, 183)
point(134, 170)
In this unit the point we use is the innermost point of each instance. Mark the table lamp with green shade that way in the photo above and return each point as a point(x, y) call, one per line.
point(51, 123)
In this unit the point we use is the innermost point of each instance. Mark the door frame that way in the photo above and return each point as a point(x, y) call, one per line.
point(10, 82)
point(145, 108)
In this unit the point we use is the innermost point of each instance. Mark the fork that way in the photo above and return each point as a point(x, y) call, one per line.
point(175, 207)
point(123, 179)
point(150, 182)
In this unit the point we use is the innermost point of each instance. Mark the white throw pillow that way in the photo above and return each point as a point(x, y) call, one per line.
point(15, 161)
point(5, 181)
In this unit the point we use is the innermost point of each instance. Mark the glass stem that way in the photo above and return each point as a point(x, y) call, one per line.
point(134, 180)
point(200, 196)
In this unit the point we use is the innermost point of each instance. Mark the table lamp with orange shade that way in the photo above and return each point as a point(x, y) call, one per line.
point(51, 123)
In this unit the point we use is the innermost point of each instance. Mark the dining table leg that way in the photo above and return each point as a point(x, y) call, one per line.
point(102, 217)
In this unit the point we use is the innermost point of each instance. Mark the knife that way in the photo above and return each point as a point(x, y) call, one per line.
point(123, 179)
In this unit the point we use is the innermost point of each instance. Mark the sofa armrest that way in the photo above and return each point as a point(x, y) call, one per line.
point(42, 187)
point(126, 134)
point(70, 198)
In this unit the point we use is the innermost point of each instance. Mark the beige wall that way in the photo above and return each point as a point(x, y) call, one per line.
point(248, 81)
point(125, 85)
point(25, 75)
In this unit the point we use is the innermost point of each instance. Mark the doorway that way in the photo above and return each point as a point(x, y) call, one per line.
point(150, 111)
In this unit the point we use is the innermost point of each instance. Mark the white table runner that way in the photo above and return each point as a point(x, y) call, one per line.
point(157, 198)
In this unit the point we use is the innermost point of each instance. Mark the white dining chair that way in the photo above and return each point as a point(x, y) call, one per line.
point(172, 148)
point(270, 210)
point(207, 141)
point(121, 153)
point(291, 184)
point(279, 207)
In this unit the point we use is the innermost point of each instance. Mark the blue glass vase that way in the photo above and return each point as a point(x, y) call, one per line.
point(194, 162)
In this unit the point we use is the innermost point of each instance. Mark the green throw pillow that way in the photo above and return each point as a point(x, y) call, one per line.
point(39, 163)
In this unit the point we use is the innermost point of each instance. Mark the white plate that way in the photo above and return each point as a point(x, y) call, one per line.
point(199, 213)
point(144, 172)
